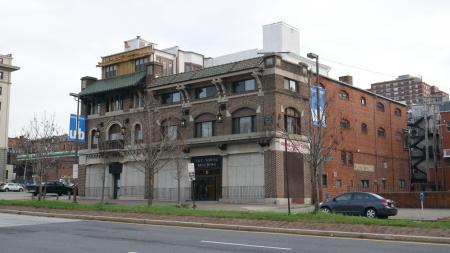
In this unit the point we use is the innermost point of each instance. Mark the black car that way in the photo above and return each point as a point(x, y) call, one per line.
point(368, 204)
point(51, 187)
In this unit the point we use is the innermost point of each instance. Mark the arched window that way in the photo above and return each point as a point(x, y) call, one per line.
point(244, 121)
point(169, 129)
point(380, 107)
point(397, 112)
point(343, 95)
point(363, 101)
point(205, 125)
point(381, 132)
point(94, 139)
point(345, 124)
point(292, 121)
point(364, 128)
point(115, 133)
point(138, 136)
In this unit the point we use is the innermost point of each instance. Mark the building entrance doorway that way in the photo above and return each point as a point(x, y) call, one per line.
point(115, 169)
point(208, 178)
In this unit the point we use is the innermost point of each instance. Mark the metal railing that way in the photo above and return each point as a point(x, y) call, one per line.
point(243, 193)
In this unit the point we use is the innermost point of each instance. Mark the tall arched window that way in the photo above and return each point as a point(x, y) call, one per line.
point(292, 121)
point(94, 139)
point(380, 107)
point(244, 121)
point(138, 136)
point(169, 129)
point(205, 125)
point(397, 112)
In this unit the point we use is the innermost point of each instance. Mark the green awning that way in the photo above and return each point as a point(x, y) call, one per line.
point(56, 154)
point(114, 83)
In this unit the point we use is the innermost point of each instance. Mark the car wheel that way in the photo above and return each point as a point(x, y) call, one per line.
point(325, 210)
point(370, 213)
point(20, 190)
point(6, 190)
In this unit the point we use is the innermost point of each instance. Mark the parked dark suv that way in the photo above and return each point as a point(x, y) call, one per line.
point(368, 204)
point(51, 187)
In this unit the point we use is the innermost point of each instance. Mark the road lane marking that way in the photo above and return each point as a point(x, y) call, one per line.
point(245, 245)
point(280, 233)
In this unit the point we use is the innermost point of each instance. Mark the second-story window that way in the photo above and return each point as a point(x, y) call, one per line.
point(170, 98)
point(110, 71)
point(138, 136)
point(140, 64)
point(204, 125)
point(204, 92)
point(244, 121)
point(397, 112)
point(292, 121)
point(115, 133)
point(290, 84)
point(243, 86)
point(1, 75)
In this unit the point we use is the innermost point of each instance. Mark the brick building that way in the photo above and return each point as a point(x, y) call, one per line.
point(230, 115)
point(408, 88)
point(22, 158)
point(369, 129)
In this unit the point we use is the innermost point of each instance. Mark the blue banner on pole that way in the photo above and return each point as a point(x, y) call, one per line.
point(73, 128)
point(313, 101)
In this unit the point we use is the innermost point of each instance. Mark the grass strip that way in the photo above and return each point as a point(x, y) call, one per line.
point(171, 209)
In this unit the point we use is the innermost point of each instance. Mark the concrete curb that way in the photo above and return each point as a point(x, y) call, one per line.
point(340, 234)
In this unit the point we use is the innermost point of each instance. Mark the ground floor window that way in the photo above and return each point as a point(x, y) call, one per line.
point(365, 183)
point(324, 180)
point(338, 183)
point(402, 183)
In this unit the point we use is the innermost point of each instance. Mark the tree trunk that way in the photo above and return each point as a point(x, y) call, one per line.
point(150, 191)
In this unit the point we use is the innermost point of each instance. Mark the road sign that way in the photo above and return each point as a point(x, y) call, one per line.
point(421, 196)
point(191, 171)
point(75, 171)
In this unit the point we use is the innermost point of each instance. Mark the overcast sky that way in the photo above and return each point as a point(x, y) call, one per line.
point(55, 42)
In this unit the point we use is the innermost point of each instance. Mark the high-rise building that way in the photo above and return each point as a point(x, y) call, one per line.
point(409, 89)
point(6, 68)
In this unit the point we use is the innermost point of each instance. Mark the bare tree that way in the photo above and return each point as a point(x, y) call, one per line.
point(43, 134)
point(158, 144)
point(322, 142)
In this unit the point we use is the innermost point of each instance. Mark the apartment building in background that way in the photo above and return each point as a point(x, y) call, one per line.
point(6, 68)
point(409, 89)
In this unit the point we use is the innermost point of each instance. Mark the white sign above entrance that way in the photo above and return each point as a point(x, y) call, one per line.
point(292, 146)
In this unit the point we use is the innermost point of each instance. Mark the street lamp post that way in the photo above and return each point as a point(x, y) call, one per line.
point(77, 98)
point(319, 121)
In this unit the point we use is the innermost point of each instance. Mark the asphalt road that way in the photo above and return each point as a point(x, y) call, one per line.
point(20, 234)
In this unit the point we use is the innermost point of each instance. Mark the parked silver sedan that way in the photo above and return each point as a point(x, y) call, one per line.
point(11, 187)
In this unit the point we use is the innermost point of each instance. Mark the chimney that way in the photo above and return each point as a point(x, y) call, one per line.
point(154, 70)
point(86, 81)
point(346, 79)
